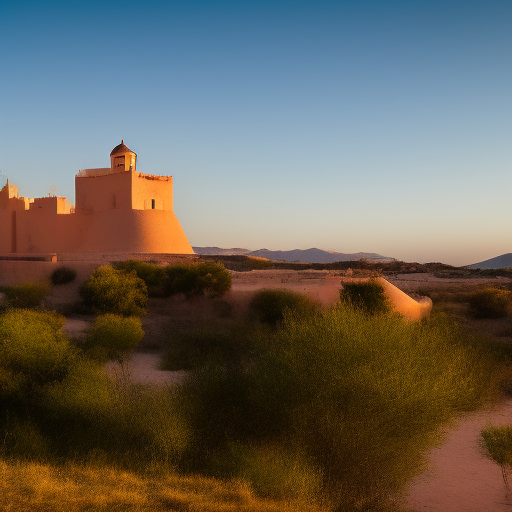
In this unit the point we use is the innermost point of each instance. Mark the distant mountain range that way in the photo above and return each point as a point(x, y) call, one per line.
point(503, 261)
point(297, 255)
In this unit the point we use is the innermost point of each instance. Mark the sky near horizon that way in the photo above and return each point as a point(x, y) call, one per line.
point(370, 125)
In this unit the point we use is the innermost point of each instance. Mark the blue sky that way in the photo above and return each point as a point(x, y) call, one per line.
point(379, 126)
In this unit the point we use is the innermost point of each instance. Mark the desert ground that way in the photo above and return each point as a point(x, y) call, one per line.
point(458, 476)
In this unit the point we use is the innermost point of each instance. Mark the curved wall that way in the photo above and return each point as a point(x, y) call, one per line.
point(145, 231)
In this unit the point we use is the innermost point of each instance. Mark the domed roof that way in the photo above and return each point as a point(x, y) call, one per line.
point(121, 148)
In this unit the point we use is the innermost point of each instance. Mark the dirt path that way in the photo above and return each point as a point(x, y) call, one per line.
point(143, 368)
point(460, 478)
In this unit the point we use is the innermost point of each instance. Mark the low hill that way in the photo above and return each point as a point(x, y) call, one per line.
point(217, 251)
point(503, 261)
point(312, 255)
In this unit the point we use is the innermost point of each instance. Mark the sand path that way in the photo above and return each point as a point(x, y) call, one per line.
point(144, 368)
point(460, 478)
point(139, 368)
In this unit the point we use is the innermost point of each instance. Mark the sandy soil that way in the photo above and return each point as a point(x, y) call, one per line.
point(460, 478)
point(143, 368)
point(77, 326)
point(417, 282)
point(140, 368)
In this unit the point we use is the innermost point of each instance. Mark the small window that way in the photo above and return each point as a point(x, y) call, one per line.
point(152, 204)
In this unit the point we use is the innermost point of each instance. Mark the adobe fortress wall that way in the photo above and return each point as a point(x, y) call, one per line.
point(118, 209)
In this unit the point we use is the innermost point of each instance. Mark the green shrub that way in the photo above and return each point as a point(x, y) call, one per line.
point(271, 306)
point(279, 472)
point(33, 350)
point(86, 392)
point(497, 442)
point(208, 278)
point(63, 275)
point(179, 278)
point(257, 263)
point(368, 296)
point(114, 291)
point(231, 344)
point(23, 439)
point(58, 404)
point(358, 399)
point(26, 295)
point(113, 336)
point(151, 273)
point(489, 303)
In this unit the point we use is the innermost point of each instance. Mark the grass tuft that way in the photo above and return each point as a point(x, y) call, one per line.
point(497, 442)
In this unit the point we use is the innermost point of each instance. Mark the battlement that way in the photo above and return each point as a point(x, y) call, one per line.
point(92, 173)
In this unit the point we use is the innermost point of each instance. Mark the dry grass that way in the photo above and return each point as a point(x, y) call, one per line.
point(31, 486)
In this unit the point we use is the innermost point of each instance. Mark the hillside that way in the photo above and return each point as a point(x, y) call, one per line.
point(503, 261)
point(312, 255)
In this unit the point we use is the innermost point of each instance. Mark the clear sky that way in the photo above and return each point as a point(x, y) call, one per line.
point(377, 126)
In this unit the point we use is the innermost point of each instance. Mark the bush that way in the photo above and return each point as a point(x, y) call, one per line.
point(271, 306)
point(26, 295)
point(489, 303)
point(210, 279)
point(114, 291)
point(151, 273)
point(368, 296)
point(113, 336)
point(33, 350)
point(63, 275)
point(232, 345)
point(497, 442)
point(358, 399)
point(56, 403)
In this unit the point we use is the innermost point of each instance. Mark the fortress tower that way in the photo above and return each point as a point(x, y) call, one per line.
point(117, 209)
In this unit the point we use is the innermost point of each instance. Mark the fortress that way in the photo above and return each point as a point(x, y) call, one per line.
point(117, 209)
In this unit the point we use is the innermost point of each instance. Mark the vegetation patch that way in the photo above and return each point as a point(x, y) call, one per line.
point(151, 273)
point(35, 486)
point(271, 306)
point(115, 291)
point(348, 401)
point(497, 442)
point(368, 296)
point(490, 303)
point(26, 295)
point(113, 337)
point(33, 351)
point(317, 410)
point(63, 275)
point(211, 279)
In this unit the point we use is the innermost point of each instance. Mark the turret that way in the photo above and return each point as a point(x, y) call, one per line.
point(122, 158)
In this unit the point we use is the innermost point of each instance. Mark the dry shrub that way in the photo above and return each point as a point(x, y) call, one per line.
point(151, 273)
point(350, 399)
point(497, 442)
point(63, 275)
point(209, 278)
point(114, 291)
point(271, 306)
point(26, 295)
point(489, 303)
point(113, 336)
point(368, 297)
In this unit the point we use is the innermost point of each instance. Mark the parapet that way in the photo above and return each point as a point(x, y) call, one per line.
point(102, 171)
